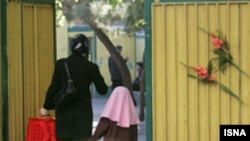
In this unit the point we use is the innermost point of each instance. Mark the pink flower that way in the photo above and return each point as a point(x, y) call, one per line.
point(217, 42)
point(198, 68)
point(201, 71)
point(211, 78)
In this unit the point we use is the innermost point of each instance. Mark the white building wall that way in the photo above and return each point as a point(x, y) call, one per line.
point(62, 41)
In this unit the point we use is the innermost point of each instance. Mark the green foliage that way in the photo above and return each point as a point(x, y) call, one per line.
point(104, 13)
point(114, 3)
point(135, 17)
point(59, 14)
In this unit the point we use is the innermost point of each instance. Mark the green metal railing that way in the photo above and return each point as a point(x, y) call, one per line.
point(4, 71)
point(148, 65)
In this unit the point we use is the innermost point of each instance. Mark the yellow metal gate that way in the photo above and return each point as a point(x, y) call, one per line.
point(183, 108)
point(30, 61)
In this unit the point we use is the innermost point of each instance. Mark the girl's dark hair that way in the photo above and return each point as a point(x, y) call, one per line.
point(140, 64)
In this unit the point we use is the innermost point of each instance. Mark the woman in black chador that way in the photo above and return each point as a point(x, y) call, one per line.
point(75, 122)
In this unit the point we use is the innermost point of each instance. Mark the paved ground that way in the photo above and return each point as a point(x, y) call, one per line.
point(98, 105)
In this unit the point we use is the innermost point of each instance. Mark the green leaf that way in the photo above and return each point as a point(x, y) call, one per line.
point(210, 67)
point(239, 69)
point(223, 87)
point(114, 3)
point(187, 66)
point(227, 90)
point(204, 30)
point(193, 76)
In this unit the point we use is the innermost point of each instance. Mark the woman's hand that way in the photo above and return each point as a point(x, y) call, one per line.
point(44, 112)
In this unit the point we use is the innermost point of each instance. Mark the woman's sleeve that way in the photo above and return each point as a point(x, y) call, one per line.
point(99, 82)
point(101, 129)
point(53, 88)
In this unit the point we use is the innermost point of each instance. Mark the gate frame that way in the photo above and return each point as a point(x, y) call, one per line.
point(4, 59)
point(148, 67)
point(4, 71)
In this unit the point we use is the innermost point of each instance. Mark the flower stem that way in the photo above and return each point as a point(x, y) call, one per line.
point(187, 66)
point(227, 90)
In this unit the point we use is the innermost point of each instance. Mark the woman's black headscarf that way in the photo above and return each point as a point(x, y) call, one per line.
point(80, 44)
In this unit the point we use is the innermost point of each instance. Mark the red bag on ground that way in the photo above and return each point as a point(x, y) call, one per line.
point(41, 129)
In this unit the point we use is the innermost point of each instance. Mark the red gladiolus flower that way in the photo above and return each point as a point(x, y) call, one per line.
point(211, 78)
point(217, 42)
point(201, 71)
point(198, 68)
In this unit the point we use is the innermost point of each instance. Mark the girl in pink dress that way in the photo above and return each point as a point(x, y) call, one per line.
point(119, 119)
